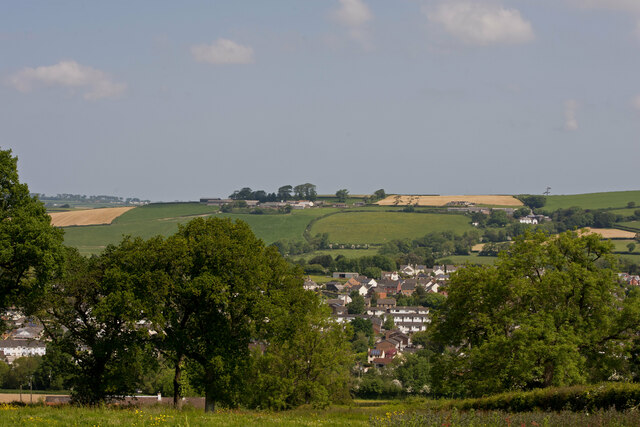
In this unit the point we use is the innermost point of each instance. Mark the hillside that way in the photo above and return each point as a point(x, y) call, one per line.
point(611, 199)
point(379, 227)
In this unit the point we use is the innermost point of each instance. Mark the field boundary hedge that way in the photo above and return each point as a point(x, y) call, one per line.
point(626, 228)
point(621, 396)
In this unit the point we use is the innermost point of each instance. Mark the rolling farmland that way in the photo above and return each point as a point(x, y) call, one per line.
point(612, 199)
point(163, 219)
point(380, 227)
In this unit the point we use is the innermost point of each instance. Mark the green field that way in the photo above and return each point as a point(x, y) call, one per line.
point(631, 224)
point(163, 219)
point(621, 245)
point(625, 211)
point(473, 259)
point(348, 253)
point(380, 227)
point(612, 199)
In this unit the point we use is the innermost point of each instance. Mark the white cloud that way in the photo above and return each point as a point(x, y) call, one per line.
point(223, 52)
point(570, 119)
point(355, 15)
point(97, 83)
point(481, 24)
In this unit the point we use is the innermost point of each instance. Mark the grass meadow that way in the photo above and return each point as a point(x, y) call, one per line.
point(359, 414)
point(612, 199)
point(379, 227)
point(630, 224)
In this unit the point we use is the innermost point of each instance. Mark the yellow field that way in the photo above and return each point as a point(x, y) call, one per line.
point(443, 200)
point(87, 217)
point(612, 233)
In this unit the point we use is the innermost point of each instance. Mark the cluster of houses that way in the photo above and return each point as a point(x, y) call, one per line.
point(22, 340)
point(380, 297)
point(629, 279)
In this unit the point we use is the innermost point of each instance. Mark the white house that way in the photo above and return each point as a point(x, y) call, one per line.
point(529, 219)
point(13, 349)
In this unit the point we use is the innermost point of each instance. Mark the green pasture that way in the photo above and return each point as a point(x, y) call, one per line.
point(632, 224)
point(348, 253)
point(473, 258)
point(163, 219)
point(380, 227)
point(625, 211)
point(611, 199)
point(621, 245)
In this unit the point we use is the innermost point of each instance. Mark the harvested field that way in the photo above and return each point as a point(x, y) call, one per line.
point(87, 217)
point(443, 200)
point(477, 247)
point(612, 233)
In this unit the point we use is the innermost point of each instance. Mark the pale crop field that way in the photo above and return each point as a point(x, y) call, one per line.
point(443, 200)
point(87, 217)
point(612, 233)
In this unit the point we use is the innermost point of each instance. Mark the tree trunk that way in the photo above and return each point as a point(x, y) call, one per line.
point(209, 402)
point(176, 381)
point(548, 373)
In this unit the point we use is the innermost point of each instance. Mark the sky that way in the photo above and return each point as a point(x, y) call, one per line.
point(167, 100)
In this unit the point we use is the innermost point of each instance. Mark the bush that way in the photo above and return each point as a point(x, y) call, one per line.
point(621, 396)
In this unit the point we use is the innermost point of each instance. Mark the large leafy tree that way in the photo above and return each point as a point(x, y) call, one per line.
point(30, 248)
point(94, 313)
point(218, 302)
point(306, 356)
point(549, 312)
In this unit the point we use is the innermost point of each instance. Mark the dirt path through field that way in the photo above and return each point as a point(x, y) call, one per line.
point(87, 217)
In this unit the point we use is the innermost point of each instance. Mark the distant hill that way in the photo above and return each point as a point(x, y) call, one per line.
point(611, 199)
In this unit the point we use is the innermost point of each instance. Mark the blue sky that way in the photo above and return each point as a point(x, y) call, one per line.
point(176, 100)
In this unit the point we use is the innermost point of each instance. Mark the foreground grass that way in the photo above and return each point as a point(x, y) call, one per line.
point(158, 416)
point(398, 414)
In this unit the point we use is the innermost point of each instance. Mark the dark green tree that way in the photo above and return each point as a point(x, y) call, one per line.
point(389, 324)
point(284, 193)
point(533, 201)
point(546, 314)
point(498, 218)
point(357, 304)
point(30, 248)
point(342, 195)
point(222, 302)
point(92, 315)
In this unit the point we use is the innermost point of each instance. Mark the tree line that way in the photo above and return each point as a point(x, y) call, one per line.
point(285, 193)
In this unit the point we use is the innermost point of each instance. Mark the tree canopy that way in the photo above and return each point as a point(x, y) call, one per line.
point(30, 248)
point(550, 312)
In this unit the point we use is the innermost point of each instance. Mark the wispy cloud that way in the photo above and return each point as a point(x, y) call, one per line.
point(481, 24)
point(570, 119)
point(97, 83)
point(355, 15)
point(223, 52)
